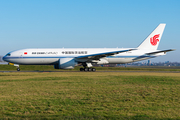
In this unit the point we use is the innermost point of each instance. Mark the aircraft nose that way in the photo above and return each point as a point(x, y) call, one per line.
point(4, 58)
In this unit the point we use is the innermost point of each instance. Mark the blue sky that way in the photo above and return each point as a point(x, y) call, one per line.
point(88, 24)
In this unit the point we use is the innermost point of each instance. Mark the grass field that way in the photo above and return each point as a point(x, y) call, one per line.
point(51, 68)
point(90, 95)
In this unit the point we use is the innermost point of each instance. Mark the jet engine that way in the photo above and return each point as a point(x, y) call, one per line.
point(65, 63)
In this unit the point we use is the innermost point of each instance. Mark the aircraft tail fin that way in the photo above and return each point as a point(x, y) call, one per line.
point(152, 41)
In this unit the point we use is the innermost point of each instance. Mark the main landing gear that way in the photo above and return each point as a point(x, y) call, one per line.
point(88, 69)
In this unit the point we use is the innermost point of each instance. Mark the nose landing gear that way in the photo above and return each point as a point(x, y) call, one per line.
point(18, 69)
point(16, 65)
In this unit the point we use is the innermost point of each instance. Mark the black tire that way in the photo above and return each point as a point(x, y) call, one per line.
point(94, 69)
point(85, 69)
point(81, 69)
point(89, 69)
point(18, 69)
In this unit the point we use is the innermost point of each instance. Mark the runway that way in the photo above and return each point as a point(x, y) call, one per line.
point(93, 72)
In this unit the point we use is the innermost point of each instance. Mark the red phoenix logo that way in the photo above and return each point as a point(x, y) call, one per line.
point(25, 53)
point(154, 40)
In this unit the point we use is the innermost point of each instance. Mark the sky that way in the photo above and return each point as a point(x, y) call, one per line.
point(88, 24)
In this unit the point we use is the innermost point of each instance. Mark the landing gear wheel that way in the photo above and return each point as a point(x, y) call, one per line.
point(89, 69)
point(93, 69)
point(85, 69)
point(81, 69)
point(18, 69)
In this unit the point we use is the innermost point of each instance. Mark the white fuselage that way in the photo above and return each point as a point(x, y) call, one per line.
point(68, 58)
point(51, 56)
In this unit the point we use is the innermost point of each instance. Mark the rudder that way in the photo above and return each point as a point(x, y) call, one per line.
point(152, 41)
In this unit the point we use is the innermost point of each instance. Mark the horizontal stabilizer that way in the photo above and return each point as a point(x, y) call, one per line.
point(152, 53)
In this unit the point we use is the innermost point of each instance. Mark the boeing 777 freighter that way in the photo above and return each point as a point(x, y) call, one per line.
point(63, 58)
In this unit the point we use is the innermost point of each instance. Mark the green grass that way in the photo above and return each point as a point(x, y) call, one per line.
point(51, 68)
point(86, 95)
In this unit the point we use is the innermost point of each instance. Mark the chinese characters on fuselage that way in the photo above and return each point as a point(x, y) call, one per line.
point(63, 52)
point(74, 52)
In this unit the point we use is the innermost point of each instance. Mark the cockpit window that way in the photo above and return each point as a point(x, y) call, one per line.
point(8, 54)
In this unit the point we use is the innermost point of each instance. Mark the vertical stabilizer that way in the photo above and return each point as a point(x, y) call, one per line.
point(152, 41)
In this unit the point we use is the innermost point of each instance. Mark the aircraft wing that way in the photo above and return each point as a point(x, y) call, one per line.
point(152, 53)
point(101, 55)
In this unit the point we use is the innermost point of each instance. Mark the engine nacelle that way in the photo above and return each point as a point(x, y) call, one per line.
point(102, 61)
point(65, 63)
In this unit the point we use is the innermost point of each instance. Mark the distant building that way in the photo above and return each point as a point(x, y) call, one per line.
point(149, 62)
point(167, 62)
point(1, 59)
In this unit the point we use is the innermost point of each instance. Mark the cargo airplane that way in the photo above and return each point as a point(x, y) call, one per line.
point(65, 58)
